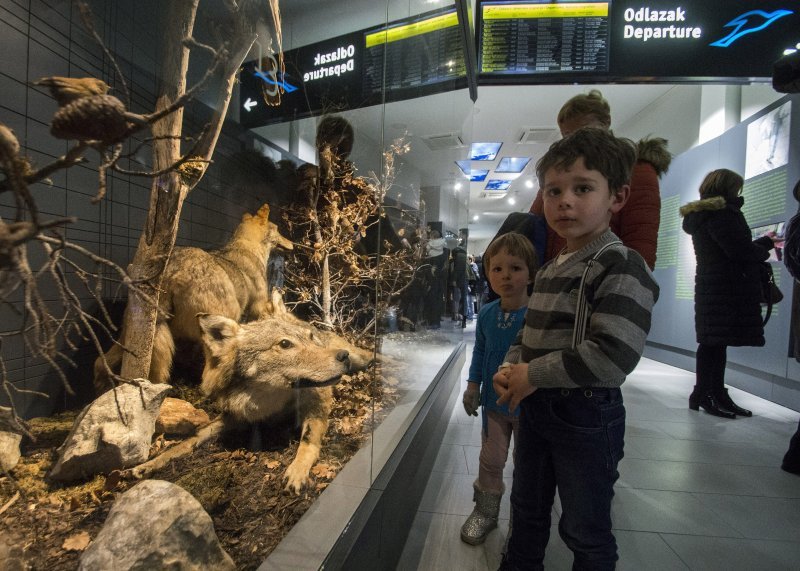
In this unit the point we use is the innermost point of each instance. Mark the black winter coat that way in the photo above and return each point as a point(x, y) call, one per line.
point(727, 287)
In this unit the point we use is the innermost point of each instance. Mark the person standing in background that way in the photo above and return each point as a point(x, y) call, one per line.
point(791, 258)
point(727, 286)
point(637, 223)
point(436, 258)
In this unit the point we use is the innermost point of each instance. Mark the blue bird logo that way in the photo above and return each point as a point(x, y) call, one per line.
point(744, 25)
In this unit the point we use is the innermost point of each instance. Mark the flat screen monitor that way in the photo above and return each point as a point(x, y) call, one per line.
point(484, 151)
point(496, 184)
point(512, 164)
point(603, 41)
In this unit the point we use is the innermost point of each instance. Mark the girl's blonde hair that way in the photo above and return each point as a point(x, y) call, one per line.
point(515, 244)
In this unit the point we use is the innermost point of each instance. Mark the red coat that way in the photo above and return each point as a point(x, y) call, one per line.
point(636, 224)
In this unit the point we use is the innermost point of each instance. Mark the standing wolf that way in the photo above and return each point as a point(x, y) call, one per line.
point(229, 282)
point(274, 369)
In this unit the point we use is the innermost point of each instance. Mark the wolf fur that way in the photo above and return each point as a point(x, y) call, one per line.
point(229, 282)
point(277, 367)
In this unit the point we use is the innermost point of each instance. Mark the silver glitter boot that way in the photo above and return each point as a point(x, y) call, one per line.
point(483, 518)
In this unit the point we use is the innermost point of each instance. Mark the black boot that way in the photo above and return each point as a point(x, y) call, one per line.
point(726, 402)
point(708, 403)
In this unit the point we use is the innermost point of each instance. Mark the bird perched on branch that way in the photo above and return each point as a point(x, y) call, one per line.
point(65, 90)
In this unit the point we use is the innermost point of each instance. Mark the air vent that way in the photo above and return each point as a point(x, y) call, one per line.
point(535, 135)
point(441, 142)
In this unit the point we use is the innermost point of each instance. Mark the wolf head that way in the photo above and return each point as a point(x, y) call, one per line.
point(254, 370)
point(257, 228)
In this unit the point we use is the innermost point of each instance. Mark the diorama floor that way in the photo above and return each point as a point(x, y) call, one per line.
point(695, 491)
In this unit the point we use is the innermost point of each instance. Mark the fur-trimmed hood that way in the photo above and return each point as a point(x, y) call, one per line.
point(653, 150)
point(695, 213)
point(713, 203)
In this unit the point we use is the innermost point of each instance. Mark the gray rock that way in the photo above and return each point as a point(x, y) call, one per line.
point(111, 433)
point(156, 526)
point(9, 450)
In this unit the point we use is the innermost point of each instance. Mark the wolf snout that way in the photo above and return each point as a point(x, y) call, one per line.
point(343, 356)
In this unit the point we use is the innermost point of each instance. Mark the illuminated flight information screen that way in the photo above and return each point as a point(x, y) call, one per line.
point(412, 54)
point(543, 37)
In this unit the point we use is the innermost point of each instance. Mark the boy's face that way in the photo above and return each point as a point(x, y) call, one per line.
point(508, 275)
point(578, 203)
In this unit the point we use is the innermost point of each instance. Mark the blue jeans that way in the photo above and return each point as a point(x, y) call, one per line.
point(570, 439)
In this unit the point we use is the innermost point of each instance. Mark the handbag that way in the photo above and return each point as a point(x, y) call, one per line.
point(770, 294)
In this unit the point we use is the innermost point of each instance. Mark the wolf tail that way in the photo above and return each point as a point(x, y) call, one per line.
point(163, 353)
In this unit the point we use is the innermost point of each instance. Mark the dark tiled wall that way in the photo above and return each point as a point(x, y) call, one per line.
point(41, 38)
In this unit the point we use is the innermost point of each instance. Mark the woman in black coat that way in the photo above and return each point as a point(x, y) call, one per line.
point(727, 288)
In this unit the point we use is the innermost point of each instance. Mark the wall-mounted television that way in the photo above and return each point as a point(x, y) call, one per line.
point(497, 184)
point(512, 164)
point(484, 151)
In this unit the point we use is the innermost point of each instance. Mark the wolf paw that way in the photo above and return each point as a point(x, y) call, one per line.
point(296, 477)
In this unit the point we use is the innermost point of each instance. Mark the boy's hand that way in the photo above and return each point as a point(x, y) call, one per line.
point(472, 399)
point(511, 383)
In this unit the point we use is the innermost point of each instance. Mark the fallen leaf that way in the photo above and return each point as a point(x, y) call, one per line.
point(323, 471)
point(272, 464)
point(77, 542)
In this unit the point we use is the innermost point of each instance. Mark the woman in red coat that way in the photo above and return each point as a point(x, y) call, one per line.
point(637, 223)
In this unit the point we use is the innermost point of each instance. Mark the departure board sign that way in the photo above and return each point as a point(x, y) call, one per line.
point(543, 37)
point(417, 54)
point(539, 41)
point(410, 58)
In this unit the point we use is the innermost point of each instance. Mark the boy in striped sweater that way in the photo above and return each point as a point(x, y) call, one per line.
point(585, 330)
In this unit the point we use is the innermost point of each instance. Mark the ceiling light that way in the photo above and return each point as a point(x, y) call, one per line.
point(475, 218)
point(529, 183)
point(457, 186)
point(511, 201)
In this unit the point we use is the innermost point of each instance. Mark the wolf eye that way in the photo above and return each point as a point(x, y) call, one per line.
point(285, 344)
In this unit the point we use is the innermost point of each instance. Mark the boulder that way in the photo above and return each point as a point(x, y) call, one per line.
point(112, 433)
point(9, 449)
point(157, 526)
point(178, 417)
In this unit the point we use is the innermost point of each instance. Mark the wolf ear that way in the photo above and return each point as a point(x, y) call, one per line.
point(278, 238)
point(276, 303)
point(218, 332)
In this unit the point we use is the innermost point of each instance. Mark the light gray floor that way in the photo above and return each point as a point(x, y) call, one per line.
point(695, 491)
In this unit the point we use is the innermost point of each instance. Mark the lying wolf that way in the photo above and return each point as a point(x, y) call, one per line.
point(230, 282)
point(274, 368)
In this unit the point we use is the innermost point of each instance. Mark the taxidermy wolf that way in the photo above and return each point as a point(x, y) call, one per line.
point(277, 368)
point(229, 282)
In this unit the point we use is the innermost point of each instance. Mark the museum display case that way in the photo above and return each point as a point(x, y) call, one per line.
point(231, 189)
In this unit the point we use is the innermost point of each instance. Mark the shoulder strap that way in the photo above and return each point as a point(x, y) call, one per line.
point(582, 309)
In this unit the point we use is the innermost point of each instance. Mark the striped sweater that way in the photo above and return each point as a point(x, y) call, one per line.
point(621, 292)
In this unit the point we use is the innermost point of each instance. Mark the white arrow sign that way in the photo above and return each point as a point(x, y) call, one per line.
point(249, 104)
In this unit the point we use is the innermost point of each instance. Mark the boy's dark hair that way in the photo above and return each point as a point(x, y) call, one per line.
point(721, 182)
point(612, 156)
point(516, 245)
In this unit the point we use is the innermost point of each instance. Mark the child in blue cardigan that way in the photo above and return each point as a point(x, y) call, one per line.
point(510, 264)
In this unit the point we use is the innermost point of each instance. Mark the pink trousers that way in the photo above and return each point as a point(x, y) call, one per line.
point(494, 451)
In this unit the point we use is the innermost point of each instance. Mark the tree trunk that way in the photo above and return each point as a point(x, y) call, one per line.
point(168, 192)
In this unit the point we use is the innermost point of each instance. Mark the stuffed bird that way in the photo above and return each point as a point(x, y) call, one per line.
point(67, 89)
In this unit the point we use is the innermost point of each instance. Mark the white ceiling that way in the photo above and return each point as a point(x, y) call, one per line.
point(501, 113)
